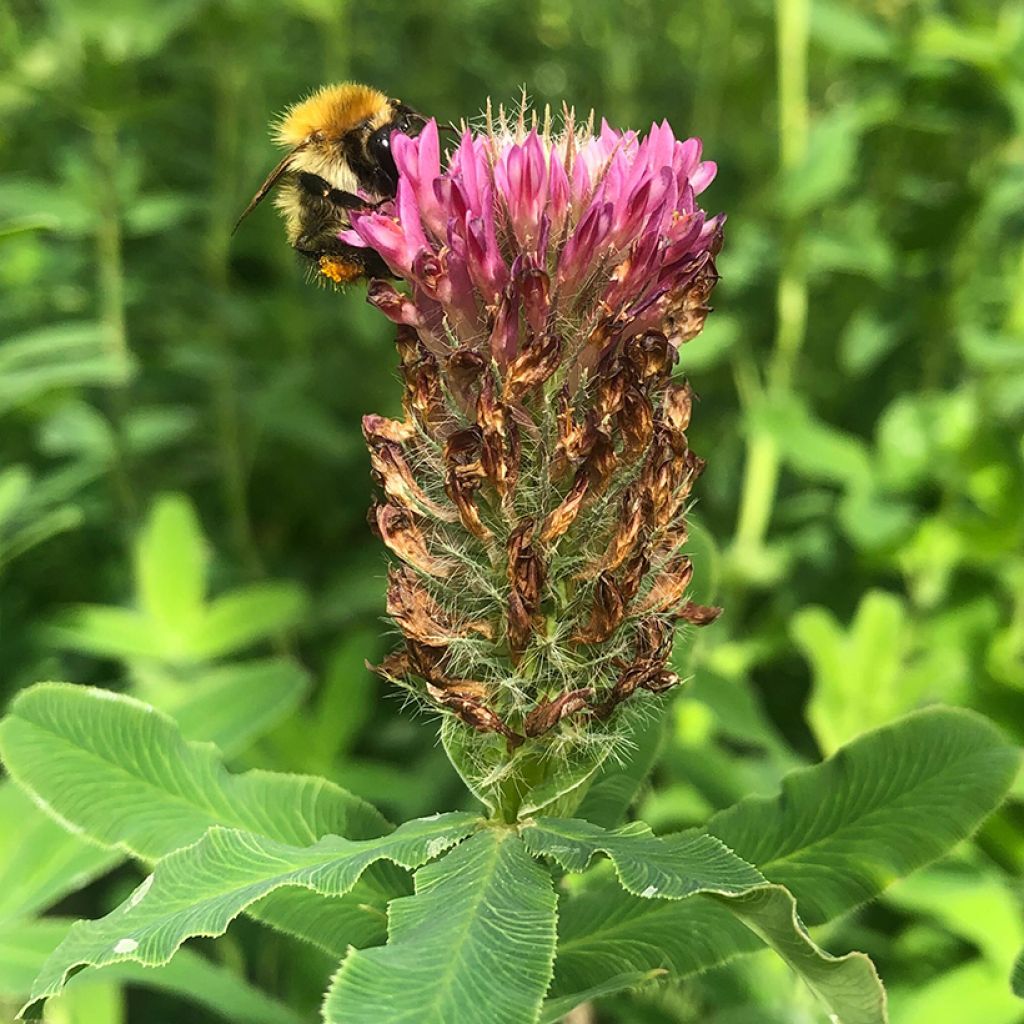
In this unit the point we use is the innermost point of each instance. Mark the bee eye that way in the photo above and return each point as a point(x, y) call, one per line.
point(379, 148)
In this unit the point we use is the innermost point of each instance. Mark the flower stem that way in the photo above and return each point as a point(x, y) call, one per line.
point(761, 472)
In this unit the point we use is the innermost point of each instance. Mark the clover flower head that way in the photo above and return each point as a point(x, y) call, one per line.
point(535, 493)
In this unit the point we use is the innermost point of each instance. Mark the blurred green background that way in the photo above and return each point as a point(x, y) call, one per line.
point(178, 405)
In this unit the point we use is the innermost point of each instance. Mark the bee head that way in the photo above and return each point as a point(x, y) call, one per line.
point(378, 143)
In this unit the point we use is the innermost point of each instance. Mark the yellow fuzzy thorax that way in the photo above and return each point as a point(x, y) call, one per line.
point(333, 110)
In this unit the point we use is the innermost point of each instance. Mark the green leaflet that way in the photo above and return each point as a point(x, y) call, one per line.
point(230, 705)
point(605, 932)
point(848, 985)
point(671, 868)
point(882, 806)
point(880, 644)
point(171, 563)
point(62, 355)
point(118, 770)
point(334, 923)
point(686, 864)
point(25, 945)
point(40, 862)
point(236, 703)
point(174, 622)
point(953, 766)
point(201, 889)
point(556, 1009)
point(475, 944)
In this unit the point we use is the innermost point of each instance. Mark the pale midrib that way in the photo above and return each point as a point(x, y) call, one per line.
point(447, 979)
point(442, 992)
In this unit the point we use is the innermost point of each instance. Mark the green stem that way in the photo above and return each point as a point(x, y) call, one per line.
point(1015, 312)
point(510, 799)
point(761, 472)
point(528, 772)
point(760, 479)
point(111, 287)
point(224, 397)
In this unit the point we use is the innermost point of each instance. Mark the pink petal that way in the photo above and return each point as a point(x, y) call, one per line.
point(703, 176)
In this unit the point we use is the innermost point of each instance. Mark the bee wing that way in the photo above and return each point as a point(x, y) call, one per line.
point(271, 181)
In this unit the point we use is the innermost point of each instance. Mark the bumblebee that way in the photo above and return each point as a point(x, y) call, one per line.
point(338, 160)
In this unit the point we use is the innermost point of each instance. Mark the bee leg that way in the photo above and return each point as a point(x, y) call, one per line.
point(325, 214)
point(316, 188)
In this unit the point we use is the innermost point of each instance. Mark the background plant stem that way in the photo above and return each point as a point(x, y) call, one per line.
point(224, 395)
point(761, 472)
point(111, 288)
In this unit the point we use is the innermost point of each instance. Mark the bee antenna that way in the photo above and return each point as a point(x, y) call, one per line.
point(441, 127)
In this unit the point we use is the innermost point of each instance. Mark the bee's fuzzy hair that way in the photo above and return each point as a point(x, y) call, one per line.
point(333, 110)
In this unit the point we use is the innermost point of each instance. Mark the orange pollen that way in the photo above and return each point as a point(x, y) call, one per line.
point(338, 270)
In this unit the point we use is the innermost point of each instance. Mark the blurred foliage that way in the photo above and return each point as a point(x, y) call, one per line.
point(862, 406)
